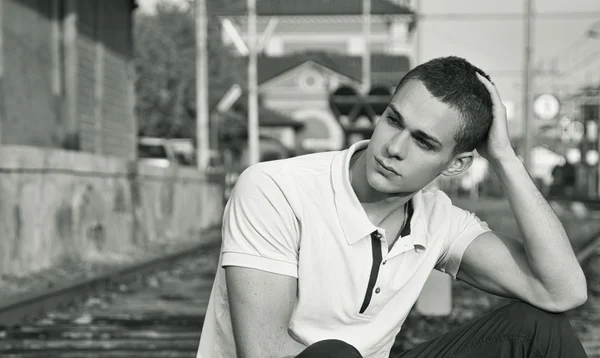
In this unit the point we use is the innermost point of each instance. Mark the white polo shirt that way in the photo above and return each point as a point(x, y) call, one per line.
point(300, 217)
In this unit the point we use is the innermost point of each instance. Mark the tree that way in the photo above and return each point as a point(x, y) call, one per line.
point(165, 64)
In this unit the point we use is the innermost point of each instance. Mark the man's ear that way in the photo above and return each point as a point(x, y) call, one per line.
point(459, 164)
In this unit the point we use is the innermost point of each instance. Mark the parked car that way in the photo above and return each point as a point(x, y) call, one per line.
point(156, 151)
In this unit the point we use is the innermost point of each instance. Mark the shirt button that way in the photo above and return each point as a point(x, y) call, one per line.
point(384, 262)
point(377, 290)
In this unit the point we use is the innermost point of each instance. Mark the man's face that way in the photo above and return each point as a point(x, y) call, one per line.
point(414, 139)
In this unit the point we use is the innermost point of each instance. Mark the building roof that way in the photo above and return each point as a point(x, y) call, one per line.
point(385, 69)
point(316, 7)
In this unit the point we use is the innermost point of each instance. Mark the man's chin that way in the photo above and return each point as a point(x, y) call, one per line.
point(383, 185)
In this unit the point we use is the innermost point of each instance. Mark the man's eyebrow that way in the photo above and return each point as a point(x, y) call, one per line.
point(418, 133)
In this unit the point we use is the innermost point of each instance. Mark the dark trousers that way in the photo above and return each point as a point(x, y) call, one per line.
point(514, 330)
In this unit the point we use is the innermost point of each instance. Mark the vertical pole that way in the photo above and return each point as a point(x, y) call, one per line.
point(55, 54)
point(71, 73)
point(2, 107)
point(202, 145)
point(418, 29)
point(131, 93)
point(527, 90)
point(366, 58)
point(253, 134)
point(99, 79)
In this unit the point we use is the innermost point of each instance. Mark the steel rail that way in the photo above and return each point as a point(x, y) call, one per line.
point(25, 307)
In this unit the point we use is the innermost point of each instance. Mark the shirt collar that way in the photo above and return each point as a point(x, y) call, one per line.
point(418, 223)
point(353, 218)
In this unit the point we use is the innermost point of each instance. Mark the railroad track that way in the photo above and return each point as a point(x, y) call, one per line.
point(103, 336)
point(152, 309)
point(28, 306)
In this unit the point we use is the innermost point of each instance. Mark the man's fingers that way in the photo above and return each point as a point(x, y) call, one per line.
point(497, 102)
point(493, 90)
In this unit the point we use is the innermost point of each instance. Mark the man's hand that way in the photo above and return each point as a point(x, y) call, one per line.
point(497, 145)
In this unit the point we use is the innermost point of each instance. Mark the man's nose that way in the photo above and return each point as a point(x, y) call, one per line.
point(397, 146)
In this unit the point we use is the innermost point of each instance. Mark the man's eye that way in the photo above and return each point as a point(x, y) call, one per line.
point(394, 121)
point(424, 144)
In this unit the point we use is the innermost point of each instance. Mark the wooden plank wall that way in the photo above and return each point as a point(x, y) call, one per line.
point(28, 103)
point(107, 124)
point(68, 75)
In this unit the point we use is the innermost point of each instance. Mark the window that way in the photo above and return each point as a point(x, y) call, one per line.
point(152, 151)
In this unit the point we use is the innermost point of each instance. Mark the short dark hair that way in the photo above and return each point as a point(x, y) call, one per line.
point(453, 81)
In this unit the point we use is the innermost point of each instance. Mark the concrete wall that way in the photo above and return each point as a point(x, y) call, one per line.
point(57, 206)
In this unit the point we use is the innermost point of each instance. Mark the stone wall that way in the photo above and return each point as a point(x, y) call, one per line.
point(60, 205)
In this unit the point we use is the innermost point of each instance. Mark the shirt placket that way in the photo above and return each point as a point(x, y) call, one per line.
point(379, 293)
point(391, 260)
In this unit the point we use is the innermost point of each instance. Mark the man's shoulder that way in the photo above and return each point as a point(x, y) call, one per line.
point(290, 168)
point(434, 196)
point(442, 211)
point(286, 175)
point(437, 205)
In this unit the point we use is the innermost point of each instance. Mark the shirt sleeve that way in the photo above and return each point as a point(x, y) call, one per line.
point(260, 229)
point(463, 228)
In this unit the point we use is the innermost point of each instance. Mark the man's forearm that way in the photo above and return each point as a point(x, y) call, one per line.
point(548, 248)
point(291, 348)
point(281, 347)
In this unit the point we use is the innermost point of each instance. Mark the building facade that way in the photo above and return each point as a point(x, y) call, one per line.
point(309, 48)
point(67, 77)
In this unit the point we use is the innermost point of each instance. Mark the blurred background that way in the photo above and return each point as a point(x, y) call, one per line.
point(543, 56)
point(212, 84)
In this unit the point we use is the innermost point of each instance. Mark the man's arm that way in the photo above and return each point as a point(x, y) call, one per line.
point(542, 270)
point(260, 258)
point(261, 304)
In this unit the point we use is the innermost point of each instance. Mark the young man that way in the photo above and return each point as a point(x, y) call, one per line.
point(324, 255)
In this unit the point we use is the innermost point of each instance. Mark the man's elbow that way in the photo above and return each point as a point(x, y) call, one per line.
point(579, 294)
point(575, 298)
point(571, 303)
point(583, 297)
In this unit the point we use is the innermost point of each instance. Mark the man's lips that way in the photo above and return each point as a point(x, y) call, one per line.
point(386, 167)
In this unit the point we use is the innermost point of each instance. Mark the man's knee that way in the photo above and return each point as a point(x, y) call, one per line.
point(551, 333)
point(330, 348)
point(524, 312)
point(524, 319)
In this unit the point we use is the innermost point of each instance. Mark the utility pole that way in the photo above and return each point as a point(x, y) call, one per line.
point(253, 139)
point(528, 88)
point(366, 58)
point(202, 130)
point(418, 18)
